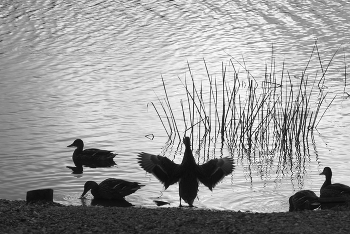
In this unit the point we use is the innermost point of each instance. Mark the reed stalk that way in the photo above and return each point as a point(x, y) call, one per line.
point(271, 118)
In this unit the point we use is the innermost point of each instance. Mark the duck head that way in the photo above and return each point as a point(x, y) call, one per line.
point(89, 185)
point(77, 143)
point(327, 172)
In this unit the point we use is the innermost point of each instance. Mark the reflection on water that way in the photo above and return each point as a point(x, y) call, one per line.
point(78, 168)
point(118, 203)
point(90, 70)
point(161, 203)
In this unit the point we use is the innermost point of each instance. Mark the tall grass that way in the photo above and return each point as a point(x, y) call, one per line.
point(273, 115)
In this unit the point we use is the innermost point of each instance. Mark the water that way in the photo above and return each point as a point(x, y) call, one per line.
point(90, 70)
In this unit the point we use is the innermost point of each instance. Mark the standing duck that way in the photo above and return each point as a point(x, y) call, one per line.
point(333, 190)
point(303, 200)
point(111, 189)
point(188, 173)
point(93, 157)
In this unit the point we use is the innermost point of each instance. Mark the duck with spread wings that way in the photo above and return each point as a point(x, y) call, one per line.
point(188, 173)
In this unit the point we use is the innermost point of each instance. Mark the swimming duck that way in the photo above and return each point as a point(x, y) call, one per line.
point(333, 190)
point(111, 189)
point(303, 200)
point(90, 156)
point(188, 173)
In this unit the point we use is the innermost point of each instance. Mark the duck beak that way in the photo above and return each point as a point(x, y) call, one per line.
point(322, 173)
point(83, 194)
point(71, 145)
point(87, 187)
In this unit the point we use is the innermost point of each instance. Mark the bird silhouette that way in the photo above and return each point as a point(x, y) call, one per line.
point(90, 157)
point(303, 200)
point(188, 173)
point(111, 189)
point(333, 190)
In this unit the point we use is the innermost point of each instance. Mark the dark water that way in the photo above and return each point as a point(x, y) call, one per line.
point(90, 69)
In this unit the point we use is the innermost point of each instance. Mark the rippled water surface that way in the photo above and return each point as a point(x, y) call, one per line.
point(90, 69)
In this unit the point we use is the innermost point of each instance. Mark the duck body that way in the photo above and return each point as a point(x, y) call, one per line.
point(188, 182)
point(111, 189)
point(304, 200)
point(333, 190)
point(188, 173)
point(94, 157)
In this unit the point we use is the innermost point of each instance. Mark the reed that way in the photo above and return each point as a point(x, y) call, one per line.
point(269, 117)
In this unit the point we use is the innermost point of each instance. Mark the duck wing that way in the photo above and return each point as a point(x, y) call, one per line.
point(165, 170)
point(340, 187)
point(117, 188)
point(213, 171)
point(308, 194)
point(98, 154)
point(125, 188)
point(106, 189)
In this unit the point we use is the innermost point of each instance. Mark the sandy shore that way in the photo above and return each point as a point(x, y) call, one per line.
point(18, 217)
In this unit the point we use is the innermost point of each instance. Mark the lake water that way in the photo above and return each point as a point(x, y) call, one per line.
point(91, 69)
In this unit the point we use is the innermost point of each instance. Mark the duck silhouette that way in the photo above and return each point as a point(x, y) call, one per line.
point(111, 189)
point(333, 190)
point(188, 173)
point(90, 157)
point(304, 200)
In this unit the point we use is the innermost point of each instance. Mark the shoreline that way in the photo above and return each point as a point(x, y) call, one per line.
point(20, 217)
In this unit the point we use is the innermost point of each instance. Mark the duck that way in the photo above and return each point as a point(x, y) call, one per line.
point(304, 200)
point(111, 189)
point(92, 157)
point(188, 173)
point(333, 190)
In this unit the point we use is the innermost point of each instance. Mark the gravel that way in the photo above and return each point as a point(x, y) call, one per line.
point(19, 217)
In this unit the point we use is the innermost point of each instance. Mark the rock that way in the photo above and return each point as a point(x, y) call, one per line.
point(40, 195)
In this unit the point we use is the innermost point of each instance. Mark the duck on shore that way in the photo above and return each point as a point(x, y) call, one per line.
point(188, 173)
point(111, 189)
point(303, 200)
point(333, 190)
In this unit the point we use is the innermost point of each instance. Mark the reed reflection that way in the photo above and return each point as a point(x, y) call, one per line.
point(105, 203)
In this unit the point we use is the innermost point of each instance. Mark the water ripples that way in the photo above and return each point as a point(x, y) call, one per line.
point(89, 69)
